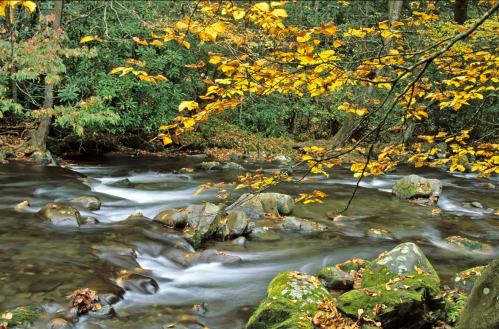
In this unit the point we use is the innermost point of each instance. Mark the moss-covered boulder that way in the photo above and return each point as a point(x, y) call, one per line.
point(61, 215)
point(402, 286)
point(172, 218)
point(481, 310)
point(303, 288)
point(202, 221)
point(89, 202)
point(353, 264)
point(414, 186)
point(269, 203)
point(232, 166)
point(207, 166)
point(333, 278)
point(285, 203)
point(379, 234)
point(465, 243)
point(278, 314)
point(465, 280)
point(249, 204)
point(45, 157)
point(22, 317)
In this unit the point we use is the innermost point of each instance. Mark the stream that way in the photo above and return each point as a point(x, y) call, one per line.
point(41, 263)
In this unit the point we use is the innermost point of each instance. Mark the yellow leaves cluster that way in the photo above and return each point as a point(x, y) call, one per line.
point(141, 74)
point(312, 197)
point(29, 5)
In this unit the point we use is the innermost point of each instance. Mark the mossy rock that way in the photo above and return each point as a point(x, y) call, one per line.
point(210, 166)
point(414, 186)
point(465, 280)
point(285, 203)
point(61, 215)
point(465, 243)
point(232, 166)
point(333, 278)
point(202, 221)
point(22, 317)
point(269, 203)
point(45, 157)
point(278, 314)
point(237, 222)
point(354, 264)
point(304, 288)
point(404, 260)
point(89, 202)
point(5, 154)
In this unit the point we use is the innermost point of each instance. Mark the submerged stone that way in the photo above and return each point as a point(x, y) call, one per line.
point(465, 280)
point(61, 215)
point(379, 233)
point(465, 243)
point(89, 202)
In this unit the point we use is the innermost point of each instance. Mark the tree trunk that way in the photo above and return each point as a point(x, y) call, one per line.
point(9, 16)
point(461, 11)
point(349, 125)
point(39, 141)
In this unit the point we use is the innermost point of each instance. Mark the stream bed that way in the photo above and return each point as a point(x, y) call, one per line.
point(41, 263)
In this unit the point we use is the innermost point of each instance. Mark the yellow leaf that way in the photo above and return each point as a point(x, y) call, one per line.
point(441, 134)
point(461, 28)
point(306, 157)
point(431, 6)
point(397, 24)
point(146, 78)
point(263, 6)
point(125, 71)
point(29, 5)
point(160, 77)
point(460, 168)
point(118, 69)
point(184, 43)
point(181, 25)
point(382, 25)
point(466, 49)
point(167, 127)
point(166, 140)
point(338, 43)
point(189, 122)
point(280, 12)
point(87, 39)
point(198, 191)
point(190, 105)
point(157, 43)
point(238, 14)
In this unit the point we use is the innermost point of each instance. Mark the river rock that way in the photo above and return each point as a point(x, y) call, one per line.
point(22, 317)
point(282, 158)
point(333, 278)
point(489, 185)
point(91, 221)
point(196, 156)
point(414, 186)
point(203, 257)
point(139, 283)
point(210, 166)
point(58, 323)
point(44, 157)
point(481, 310)
point(172, 218)
point(353, 264)
point(105, 312)
point(122, 183)
point(108, 291)
point(304, 225)
point(222, 232)
point(465, 243)
point(269, 203)
point(237, 222)
point(232, 166)
point(405, 282)
point(306, 289)
point(379, 233)
point(61, 215)
point(89, 202)
point(202, 221)
point(249, 204)
point(277, 313)
point(22, 206)
point(285, 203)
point(465, 280)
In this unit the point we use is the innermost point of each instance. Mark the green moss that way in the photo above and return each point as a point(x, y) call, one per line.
point(23, 316)
point(463, 242)
point(5, 154)
point(196, 240)
point(305, 289)
point(353, 266)
point(277, 314)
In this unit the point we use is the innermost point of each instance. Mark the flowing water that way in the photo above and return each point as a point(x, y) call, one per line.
point(42, 264)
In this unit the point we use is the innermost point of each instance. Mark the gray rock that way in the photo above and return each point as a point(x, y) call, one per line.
point(203, 222)
point(489, 185)
point(204, 257)
point(282, 158)
point(249, 204)
point(290, 223)
point(139, 283)
point(232, 166)
point(222, 232)
point(123, 183)
point(413, 186)
point(234, 157)
point(171, 217)
point(108, 291)
point(477, 205)
point(105, 312)
point(379, 233)
point(58, 323)
point(89, 202)
point(269, 203)
point(237, 222)
point(466, 280)
point(44, 157)
point(333, 278)
point(285, 203)
point(481, 310)
point(61, 215)
point(241, 241)
point(210, 166)
point(91, 221)
point(250, 228)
